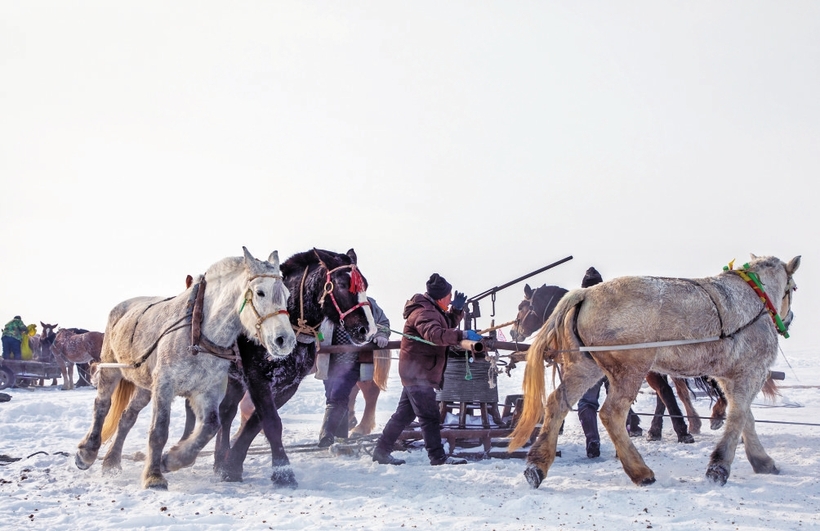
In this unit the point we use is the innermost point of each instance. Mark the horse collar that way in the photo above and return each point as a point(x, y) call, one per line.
point(751, 278)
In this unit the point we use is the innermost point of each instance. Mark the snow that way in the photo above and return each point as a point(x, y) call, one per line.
point(45, 490)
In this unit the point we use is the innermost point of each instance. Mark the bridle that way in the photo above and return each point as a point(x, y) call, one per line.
point(249, 299)
point(531, 309)
point(356, 286)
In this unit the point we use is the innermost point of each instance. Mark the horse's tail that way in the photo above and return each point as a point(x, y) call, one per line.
point(381, 368)
point(119, 401)
point(770, 390)
point(549, 337)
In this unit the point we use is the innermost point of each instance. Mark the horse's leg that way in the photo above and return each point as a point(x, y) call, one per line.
point(757, 456)
point(231, 467)
point(371, 392)
point(626, 371)
point(163, 395)
point(739, 397)
point(685, 397)
point(718, 416)
point(668, 396)
point(267, 412)
point(70, 370)
point(227, 412)
point(206, 407)
point(90, 445)
point(655, 432)
point(579, 374)
point(111, 464)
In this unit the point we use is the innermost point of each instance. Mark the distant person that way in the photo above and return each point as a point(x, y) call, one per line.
point(343, 372)
point(12, 338)
point(430, 317)
point(588, 404)
point(25, 345)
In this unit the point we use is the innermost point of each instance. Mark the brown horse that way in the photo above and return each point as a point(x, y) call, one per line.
point(725, 326)
point(370, 391)
point(75, 345)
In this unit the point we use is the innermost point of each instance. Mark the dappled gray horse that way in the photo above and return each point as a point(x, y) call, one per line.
point(182, 346)
point(724, 326)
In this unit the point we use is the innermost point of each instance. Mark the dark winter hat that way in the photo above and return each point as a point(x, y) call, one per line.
point(437, 287)
point(591, 277)
point(17, 317)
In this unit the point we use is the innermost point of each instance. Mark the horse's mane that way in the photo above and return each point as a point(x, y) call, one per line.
point(225, 266)
point(299, 261)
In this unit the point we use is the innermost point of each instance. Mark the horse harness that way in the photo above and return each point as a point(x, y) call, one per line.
point(199, 342)
point(750, 278)
point(356, 286)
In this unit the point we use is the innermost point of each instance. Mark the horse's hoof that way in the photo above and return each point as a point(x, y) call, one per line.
point(718, 474)
point(284, 477)
point(652, 436)
point(111, 470)
point(229, 475)
point(81, 464)
point(647, 481)
point(686, 438)
point(155, 483)
point(534, 476)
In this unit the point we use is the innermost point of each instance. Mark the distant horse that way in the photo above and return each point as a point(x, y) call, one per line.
point(323, 285)
point(42, 352)
point(75, 345)
point(725, 326)
point(370, 391)
point(536, 308)
point(183, 346)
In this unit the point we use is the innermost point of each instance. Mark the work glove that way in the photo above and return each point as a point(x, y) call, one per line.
point(380, 341)
point(458, 301)
point(472, 335)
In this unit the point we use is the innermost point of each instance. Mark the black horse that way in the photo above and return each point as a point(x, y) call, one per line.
point(322, 284)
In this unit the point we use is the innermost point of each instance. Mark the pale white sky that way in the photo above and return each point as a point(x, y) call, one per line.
point(142, 141)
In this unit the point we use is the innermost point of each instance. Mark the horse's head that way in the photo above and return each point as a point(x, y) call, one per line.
point(534, 310)
point(48, 333)
point(772, 280)
point(344, 298)
point(263, 311)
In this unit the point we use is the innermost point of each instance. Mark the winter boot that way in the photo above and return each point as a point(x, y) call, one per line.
point(589, 423)
point(334, 424)
point(447, 460)
point(383, 457)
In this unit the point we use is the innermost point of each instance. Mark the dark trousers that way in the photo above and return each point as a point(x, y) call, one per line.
point(11, 348)
point(340, 382)
point(416, 401)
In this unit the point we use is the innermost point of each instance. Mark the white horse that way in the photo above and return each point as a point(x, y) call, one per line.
point(183, 346)
point(724, 326)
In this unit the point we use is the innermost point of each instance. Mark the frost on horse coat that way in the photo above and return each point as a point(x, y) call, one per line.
point(153, 337)
point(634, 310)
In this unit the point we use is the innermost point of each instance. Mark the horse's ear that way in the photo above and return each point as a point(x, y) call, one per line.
point(752, 255)
point(352, 254)
point(274, 259)
point(248, 255)
point(527, 291)
point(793, 264)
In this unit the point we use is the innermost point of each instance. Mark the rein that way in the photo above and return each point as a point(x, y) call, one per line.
point(302, 327)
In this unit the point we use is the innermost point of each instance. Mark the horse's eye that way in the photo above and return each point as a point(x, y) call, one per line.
point(260, 293)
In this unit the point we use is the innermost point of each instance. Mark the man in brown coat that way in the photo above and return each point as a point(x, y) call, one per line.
point(421, 368)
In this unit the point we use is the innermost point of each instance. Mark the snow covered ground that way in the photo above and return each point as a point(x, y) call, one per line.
point(45, 490)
